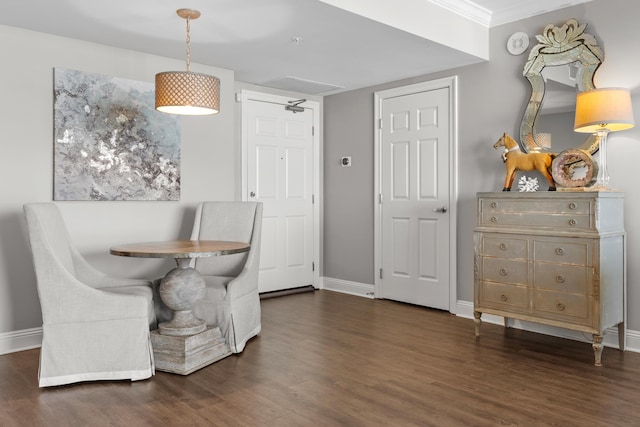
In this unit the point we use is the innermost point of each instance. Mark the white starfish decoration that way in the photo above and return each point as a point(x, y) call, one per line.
point(527, 184)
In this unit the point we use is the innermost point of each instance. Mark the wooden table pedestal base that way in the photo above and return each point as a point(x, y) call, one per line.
point(185, 343)
point(186, 354)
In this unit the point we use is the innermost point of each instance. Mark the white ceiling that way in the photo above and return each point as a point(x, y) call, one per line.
point(256, 38)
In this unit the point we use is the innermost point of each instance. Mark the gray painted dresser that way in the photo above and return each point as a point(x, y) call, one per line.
point(555, 258)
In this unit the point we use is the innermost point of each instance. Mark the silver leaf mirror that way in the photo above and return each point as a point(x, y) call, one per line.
point(562, 63)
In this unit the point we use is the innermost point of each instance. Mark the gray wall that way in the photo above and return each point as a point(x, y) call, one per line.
point(26, 172)
point(492, 98)
point(348, 191)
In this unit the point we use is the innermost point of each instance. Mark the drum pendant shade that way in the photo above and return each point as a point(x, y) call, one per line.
point(184, 92)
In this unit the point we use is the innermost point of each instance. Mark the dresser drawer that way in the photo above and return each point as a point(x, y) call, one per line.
point(530, 219)
point(561, 277)
point(561, 306)
point(505, 270)
point(504, 247)
point(539, 206)
point(561, 251)
point(498, 295)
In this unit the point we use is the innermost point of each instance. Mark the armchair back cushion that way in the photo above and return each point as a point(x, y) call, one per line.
point(231, 221)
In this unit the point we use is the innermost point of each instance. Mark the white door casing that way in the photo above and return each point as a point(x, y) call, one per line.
point(280, 170)
point(415, 181)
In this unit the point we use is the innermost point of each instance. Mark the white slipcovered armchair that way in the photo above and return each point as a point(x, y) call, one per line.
point(231, 301)
point(95, 327)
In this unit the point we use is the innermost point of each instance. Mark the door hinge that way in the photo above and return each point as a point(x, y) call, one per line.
point(313, 130)
point(381, 273)
point(313, 266)
point(379, 123)
point(313, 199)
point(380, 198)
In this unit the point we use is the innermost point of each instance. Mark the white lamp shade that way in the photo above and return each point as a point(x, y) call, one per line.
point(607, 108)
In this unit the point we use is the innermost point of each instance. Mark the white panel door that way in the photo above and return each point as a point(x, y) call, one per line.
point(414, 163)
point(280, 175)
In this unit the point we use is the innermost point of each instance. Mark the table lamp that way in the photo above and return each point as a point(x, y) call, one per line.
point(601, 111)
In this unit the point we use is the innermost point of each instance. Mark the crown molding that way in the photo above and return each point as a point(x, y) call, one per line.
point(505, 11)
point(467, 9)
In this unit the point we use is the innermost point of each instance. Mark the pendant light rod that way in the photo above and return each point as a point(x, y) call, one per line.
point(188, 15)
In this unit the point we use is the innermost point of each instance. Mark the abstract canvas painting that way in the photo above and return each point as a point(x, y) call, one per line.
point(109, 141)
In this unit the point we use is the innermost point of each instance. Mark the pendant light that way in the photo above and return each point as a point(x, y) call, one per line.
point(184, 92)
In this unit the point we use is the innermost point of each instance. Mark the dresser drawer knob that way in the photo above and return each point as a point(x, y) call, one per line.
point(503, 246)
point(503, 272)
point(561, 306)
point(494, 205)
point(494, 219)
point(503, 297)
point(560, 278)
point(572, 206)
point(559, 251)
point(572, 222)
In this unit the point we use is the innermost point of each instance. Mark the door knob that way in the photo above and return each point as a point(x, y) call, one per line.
point(440, 210)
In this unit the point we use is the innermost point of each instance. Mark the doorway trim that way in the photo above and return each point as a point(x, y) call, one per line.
point(452, 84)
point(248, 95)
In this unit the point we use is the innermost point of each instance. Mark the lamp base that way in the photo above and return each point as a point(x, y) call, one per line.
point(602, 180)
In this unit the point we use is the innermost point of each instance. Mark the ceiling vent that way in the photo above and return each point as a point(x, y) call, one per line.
point(295, 84)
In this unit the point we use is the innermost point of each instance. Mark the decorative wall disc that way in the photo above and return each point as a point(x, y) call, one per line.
point(518, 43)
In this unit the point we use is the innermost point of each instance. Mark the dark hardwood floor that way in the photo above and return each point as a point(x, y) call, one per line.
point(328, 359)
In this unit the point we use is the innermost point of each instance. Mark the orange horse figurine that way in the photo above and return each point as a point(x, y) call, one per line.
point(516, 160)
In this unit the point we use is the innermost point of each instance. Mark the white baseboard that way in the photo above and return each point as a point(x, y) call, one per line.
point(346, 287)
point(26, 339)
point(465, 309)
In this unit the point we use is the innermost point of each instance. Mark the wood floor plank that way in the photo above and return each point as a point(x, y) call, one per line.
point(329, 359)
